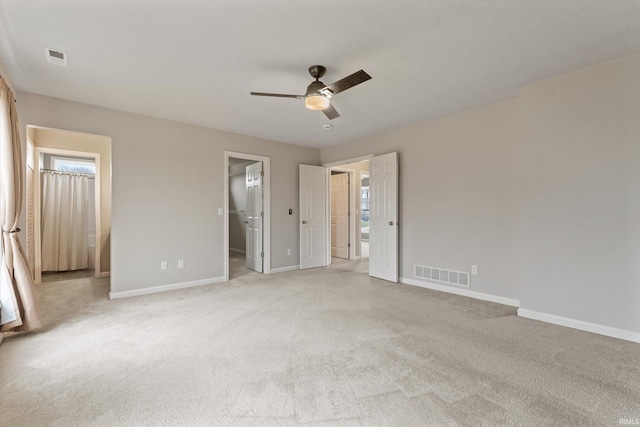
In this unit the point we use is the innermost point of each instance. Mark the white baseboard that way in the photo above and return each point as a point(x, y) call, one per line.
point(283, 269)
point(464, 292)
point(105, 274)
point(595, 328)
point(238, 251)
point(164, 288)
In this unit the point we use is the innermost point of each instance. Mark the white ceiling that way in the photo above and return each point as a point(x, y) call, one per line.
point(196, 62)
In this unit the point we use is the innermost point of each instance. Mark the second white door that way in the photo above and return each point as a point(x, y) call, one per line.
point(255, 215)
point(313, 190)
point(383, 217)
point(340, 215)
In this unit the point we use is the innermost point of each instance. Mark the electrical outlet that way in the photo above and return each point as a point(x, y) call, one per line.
point(474, 270)
point(288, 251)
point(180, 263)
point(164, 265)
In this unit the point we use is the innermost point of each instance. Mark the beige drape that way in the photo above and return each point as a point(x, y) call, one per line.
point(14, 266)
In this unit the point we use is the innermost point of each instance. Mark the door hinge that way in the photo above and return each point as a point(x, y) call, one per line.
point(262, 214)
point(261, 254)
point(348, 245)
point(261, 173)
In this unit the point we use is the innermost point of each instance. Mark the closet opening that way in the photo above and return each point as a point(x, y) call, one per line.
point(247, 214)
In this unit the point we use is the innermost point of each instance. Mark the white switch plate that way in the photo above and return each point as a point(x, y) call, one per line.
point(220, 211)
point(288, 251)
point(474, 270)
point(180, 263)
point(164, 265)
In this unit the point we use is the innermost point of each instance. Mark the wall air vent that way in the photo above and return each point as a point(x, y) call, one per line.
point(56, 56)
point(451, 277)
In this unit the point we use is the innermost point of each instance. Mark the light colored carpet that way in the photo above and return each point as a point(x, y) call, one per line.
point(318, 347)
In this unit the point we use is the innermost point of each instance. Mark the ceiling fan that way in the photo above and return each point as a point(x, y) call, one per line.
point(318, 94)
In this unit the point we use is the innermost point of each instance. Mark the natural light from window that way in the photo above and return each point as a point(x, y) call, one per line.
point(63, 164)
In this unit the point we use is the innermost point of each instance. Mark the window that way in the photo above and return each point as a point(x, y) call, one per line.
point(65, 164)
point(364, 209)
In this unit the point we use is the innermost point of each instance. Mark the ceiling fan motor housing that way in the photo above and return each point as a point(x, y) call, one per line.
point(315, 87)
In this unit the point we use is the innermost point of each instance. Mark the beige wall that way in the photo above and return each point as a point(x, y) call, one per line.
point(458, 193)
point(580, 195)
point(541, 192)
point(167, 181)
point(74, 141)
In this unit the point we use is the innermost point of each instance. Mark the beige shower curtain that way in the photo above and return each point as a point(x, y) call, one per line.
point(19, 311)
point(65, 221)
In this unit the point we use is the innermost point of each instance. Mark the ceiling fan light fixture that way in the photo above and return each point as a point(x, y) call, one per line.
point(318, 95)
point(316, 101)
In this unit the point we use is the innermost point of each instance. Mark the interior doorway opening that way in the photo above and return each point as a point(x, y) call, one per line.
point(247, 216)
point(349, 211)
point(340, 213)
point(315, 214)
point(68, 204)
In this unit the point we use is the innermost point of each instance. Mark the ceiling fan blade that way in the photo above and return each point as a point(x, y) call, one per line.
point(348, 82)
point(277, 95)
point(331, 112)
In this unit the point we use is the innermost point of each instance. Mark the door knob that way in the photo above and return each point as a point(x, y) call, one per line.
point(304, 222)
point(390, 222)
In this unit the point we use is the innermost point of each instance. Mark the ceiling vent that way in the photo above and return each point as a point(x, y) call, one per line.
point(57, 57)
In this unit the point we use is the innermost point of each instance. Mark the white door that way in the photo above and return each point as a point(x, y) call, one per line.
point(340, 215)
point(313, 190)
point(383, 217)
point(255, 216)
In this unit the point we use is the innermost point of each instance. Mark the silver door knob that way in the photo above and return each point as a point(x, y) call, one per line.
point(390, 222)
point(304, 222)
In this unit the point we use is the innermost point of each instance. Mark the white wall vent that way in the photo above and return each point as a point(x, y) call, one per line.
point(452, 277)
point(56, 56)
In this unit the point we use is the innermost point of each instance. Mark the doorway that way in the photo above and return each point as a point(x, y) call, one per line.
point(381, 202)
point(59, 164)
point(343, 218)
point(353, 173)
point(247, 215)
point(340, 213)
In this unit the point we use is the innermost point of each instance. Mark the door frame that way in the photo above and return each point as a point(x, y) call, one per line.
point(353, 221)
point(266, 206)
point(37, 206)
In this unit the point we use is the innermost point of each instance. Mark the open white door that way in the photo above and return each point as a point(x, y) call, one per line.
point(255, 217)
point(340, 215)
point(383, 217)
point(313, 191)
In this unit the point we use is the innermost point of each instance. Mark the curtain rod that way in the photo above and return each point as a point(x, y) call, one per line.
point(90, 175)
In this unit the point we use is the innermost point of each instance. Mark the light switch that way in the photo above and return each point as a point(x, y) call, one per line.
point(220, 211)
